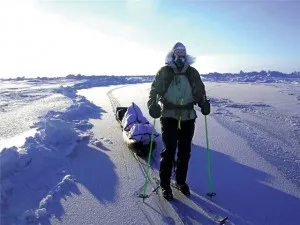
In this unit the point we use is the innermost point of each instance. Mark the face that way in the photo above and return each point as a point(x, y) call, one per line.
point(179, 52)
point(179, 57)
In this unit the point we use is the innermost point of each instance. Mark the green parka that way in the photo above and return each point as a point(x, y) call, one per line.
point(178, 91)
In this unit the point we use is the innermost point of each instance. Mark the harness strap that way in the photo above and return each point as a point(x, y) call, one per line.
point(169, 105)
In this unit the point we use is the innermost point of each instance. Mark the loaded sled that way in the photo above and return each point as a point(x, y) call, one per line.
point(136, 129)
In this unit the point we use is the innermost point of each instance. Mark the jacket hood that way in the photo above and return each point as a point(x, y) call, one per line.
point(169, 59)
point(189, 60)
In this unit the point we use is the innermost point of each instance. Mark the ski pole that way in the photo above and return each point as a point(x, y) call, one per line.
point(210, 193)
point(148, 163)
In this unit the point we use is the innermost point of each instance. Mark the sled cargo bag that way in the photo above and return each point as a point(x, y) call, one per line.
point(136, 129)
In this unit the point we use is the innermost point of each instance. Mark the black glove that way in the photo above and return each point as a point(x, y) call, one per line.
point(205, 107)
point(155, 110)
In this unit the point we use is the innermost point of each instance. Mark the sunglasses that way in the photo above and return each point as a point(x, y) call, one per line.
point(179, 52)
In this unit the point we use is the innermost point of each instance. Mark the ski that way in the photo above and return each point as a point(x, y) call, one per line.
point(153, 177)
point(162, 204)
point(186, 200)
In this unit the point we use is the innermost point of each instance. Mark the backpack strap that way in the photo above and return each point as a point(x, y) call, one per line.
point(167, 80)
point(190, 78)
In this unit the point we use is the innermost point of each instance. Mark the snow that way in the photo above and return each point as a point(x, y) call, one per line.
point(257, 77)
point(72, 166)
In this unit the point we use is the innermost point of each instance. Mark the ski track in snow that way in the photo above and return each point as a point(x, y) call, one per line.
point(171, 217)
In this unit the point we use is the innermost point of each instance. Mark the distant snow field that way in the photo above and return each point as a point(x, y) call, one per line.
point(54, 134)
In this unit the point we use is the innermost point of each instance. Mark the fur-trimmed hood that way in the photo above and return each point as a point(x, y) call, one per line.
point(169, 60)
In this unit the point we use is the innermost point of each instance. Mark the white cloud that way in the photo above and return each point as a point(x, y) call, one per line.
point(37, 43)
point(34, 43)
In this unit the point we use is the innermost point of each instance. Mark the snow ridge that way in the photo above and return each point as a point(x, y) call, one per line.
point(40, 168)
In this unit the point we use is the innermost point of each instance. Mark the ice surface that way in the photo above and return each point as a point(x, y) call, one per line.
point(254, 132)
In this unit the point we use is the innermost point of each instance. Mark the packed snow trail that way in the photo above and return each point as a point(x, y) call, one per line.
point(160, 203)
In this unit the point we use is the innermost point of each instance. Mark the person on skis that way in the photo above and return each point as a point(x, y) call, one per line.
point(178, 88)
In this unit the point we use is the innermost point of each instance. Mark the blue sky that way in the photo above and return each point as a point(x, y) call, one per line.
point(58, 37)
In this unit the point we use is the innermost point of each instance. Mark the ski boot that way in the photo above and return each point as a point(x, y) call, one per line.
point(167, 193)
point(184, 188)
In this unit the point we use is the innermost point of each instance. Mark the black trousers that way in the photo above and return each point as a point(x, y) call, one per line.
point(173, 139)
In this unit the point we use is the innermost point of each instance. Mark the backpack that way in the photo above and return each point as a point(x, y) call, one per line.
point(171, 75)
